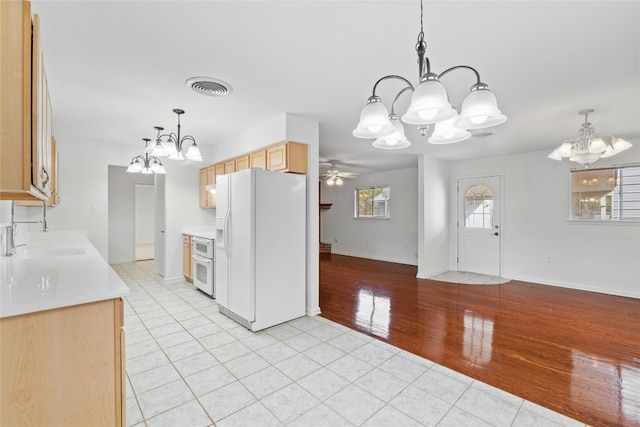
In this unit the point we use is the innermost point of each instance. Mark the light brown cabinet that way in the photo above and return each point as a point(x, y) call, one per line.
point(229, 166)
point(64, 366)
point(25, 114)
point(186, 257)
point(204, 197)
point(258, 159)
point(242, 163)
point(211, 179)
point(54, 198)
point(287, 157)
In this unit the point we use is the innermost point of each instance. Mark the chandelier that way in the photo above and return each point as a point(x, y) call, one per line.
point(171, 144)
point(588, 147)
point(146, 164)
point(429, 105)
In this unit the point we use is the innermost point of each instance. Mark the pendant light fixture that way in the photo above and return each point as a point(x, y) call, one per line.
point(146, 164)
point(172, 145)
point(588, 147)
point(430, 105)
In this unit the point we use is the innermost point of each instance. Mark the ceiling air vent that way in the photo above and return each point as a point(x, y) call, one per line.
point(209, 86)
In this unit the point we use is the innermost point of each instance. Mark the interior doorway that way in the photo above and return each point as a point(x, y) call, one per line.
point(480, 225)
point(144, 222)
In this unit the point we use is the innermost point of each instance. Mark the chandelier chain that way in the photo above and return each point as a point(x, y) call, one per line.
point(421, 41)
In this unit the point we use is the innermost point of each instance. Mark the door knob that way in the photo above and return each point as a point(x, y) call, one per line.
point(496, 233)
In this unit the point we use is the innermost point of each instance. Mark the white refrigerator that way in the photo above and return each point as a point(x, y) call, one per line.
point(260, 252)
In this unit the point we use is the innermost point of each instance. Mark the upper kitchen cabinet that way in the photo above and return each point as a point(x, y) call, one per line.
point(25, 115)
point(203, 190)
point(211, 179)
point(258, 159)
point(229, 166)
point(287, 157)
point(242, 163)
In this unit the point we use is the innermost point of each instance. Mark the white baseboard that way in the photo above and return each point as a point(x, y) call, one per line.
point(313, 311)
point(375, 257)
point(577, 287)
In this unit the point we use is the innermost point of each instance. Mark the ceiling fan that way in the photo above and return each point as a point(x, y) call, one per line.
point(335, 177)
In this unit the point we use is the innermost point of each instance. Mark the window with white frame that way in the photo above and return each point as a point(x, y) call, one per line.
point(607, 194)
point(372, 202)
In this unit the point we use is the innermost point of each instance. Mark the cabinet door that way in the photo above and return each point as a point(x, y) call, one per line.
point(203, 191)
point(186, 256)
point(41, 116)
point(242, 163)
point(65, 366)
point(258, 159)
point(277, 157)
point(229, 166)
point(211, 179)
point(220, 169)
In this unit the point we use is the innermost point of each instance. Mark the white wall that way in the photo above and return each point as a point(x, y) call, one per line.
point(433, 216)
point(83, 183)
point(288, 127)
point(182, 208)
point(536, 195)
point(394, 239)
point(121, 212)
point(144, 213)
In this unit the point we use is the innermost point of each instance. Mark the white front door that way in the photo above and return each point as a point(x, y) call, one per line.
point(479, 225)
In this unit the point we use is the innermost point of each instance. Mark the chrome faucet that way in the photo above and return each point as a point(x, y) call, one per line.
point(9, 232)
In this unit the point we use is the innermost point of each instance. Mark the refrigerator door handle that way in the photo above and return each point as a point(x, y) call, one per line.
point(227, 249)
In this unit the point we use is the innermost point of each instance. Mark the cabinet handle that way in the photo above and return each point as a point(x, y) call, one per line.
point(44, 173)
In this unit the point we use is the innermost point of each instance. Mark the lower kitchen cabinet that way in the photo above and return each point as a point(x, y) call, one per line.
point(64, 367)
point(186, 257)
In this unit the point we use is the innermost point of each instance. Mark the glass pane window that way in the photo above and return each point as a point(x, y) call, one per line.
point(372, 202)
point(478, 207)
point(608, 194)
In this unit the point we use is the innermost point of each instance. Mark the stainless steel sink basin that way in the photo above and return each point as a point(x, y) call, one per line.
point(53, 252)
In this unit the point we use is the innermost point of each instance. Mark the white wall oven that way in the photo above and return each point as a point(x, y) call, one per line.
point(203, 265)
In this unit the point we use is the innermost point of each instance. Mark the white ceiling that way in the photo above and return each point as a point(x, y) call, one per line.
point(118, 68)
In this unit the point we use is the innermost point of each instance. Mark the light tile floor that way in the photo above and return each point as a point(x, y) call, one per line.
point(188, 365)
point(469, 278)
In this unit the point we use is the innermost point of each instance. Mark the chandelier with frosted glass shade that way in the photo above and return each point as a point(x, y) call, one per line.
point(146, 164)
point(587, 147)
point(171, 145)
point(429, 106)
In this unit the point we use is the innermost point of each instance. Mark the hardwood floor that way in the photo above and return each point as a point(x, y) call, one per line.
point(575, 352)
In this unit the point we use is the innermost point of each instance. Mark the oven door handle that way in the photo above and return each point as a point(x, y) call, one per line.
point(202, 259)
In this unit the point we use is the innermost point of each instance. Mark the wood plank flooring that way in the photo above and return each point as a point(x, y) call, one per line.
point(575, 352)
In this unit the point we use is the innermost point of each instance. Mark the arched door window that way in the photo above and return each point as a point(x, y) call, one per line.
point(478, 207)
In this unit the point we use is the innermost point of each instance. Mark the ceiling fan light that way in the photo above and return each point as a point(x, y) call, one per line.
point(429, 104)
point(374, 120)
point(339, 181)
point(330, 181)
point(480, 110)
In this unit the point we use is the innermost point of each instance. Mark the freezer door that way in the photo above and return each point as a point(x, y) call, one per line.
point(241, 244)
point(221, 259)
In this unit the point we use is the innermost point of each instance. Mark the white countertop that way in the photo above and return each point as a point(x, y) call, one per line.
point(204, 231)
point(54, 270)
